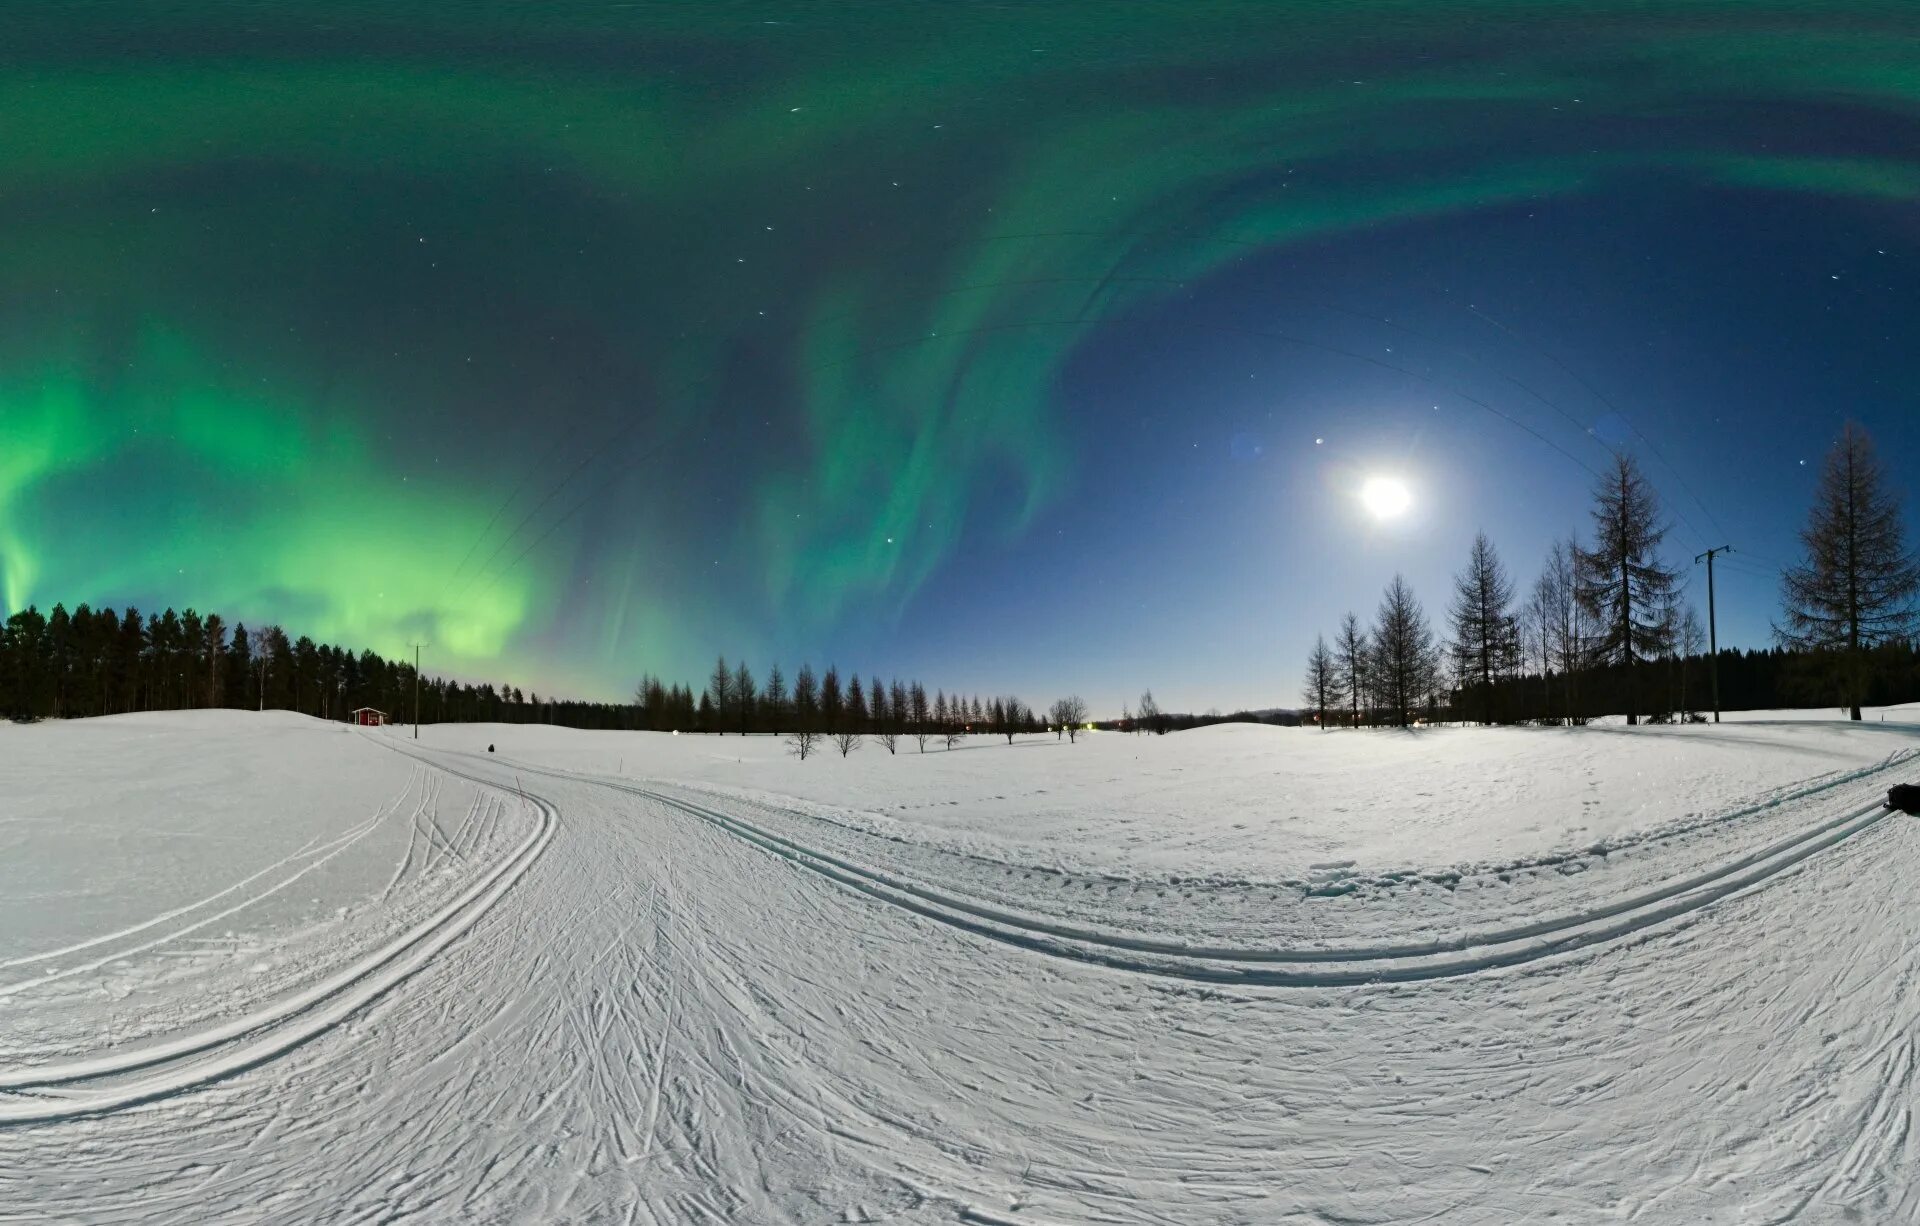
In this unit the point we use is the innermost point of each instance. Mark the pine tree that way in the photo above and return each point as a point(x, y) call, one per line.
point(1482, 619)
point(215, 629)
point(1622, 584)
point(1404, 656)
point(1857, 586)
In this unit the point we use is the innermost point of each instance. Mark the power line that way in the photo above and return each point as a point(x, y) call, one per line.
point(1615, 410)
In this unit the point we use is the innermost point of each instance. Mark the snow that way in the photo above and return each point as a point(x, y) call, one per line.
point(1245, 798)
point(1240, 974)
point(177, 870)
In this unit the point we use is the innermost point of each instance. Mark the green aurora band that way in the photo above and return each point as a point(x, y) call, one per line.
point(912, 215)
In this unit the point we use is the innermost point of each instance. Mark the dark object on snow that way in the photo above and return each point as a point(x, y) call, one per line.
point(489, 749)
point(1904, 797)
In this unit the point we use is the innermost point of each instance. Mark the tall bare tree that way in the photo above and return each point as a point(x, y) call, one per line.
point(1563, 620)
point(1069, 713)
point(744, 693)
point(1149, 718)
point(1351, 652)
point(774, 700)
point(921, 715)
point(720, 691)
point(1622, 584)
point(1857, 585)
point(1691, 638)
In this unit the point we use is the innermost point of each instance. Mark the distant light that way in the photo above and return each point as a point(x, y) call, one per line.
point(1386, 497)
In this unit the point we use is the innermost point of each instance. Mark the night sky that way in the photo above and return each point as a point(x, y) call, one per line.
point(1026, 347)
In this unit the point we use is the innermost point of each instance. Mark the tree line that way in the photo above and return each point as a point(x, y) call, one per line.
point(1605, 629)
point(824, 710)
point(106, 662)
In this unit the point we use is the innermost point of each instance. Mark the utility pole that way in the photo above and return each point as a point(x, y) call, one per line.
point(416, 688)
point(1713, 630)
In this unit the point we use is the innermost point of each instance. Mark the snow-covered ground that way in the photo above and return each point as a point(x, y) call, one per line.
point(1240, 974)
point(161, 873)
point(1244, 799)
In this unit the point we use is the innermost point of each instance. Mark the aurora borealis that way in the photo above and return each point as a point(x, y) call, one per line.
point(579, 340)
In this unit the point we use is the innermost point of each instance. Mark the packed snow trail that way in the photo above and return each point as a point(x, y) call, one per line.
point(662, 1022)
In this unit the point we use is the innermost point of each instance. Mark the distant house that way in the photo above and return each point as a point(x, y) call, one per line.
point(367, 717)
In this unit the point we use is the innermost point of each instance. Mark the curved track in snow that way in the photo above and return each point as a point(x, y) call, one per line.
point(1304, 966)
point(112, 1080)
point(664, 1013)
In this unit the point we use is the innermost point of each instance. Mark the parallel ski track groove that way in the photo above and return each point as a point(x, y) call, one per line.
point(1429, 960)
point(41, 1094)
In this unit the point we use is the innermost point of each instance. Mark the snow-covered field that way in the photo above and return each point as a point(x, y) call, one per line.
point(255, 967)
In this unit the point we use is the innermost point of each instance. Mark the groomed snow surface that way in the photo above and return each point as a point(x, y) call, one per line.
point(255, 967)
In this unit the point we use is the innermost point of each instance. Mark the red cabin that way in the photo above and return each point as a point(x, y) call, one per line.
point(367, 717)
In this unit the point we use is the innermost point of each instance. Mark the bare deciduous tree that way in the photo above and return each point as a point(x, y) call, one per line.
point(1351, 652)
point(1622, 584)
point(1323, 689)
point(1069, 713)
point(1858, 583)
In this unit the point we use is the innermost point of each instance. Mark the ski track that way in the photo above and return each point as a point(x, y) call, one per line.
point(331, 850)
point(659, 1012)
point(1388, 963)
point(42, 1091)
point(189, 908)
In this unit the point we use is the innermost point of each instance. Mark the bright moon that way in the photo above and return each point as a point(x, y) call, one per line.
point(1386, 497)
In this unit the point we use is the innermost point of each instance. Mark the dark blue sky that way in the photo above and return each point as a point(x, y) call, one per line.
point(989, 345)
point(1721, 337)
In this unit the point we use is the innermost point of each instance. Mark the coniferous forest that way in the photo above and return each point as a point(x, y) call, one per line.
point(89, 662)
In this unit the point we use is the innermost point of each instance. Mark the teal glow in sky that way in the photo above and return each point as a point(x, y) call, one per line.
point(981, 342)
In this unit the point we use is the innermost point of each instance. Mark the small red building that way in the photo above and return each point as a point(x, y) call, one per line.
point(367, 717)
